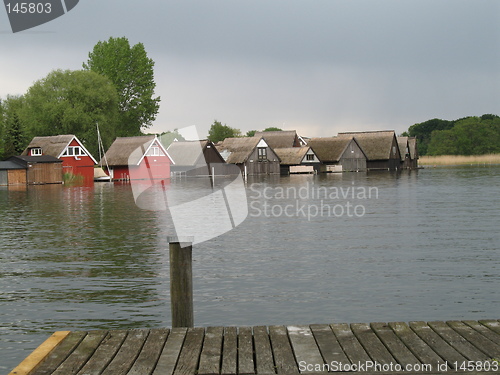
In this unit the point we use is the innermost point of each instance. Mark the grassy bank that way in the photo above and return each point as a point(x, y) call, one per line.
point(459, 159)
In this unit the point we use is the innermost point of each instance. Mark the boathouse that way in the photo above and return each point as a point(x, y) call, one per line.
point(196, 158)
point(281, 138)
point(12, 173)
point(38, 170)
point(338, 154)
point(409, 153)
point(380, 147)
point(137, 158)
point(76, 160)
point(412, 146)
point(251, 154)
point(297, 160)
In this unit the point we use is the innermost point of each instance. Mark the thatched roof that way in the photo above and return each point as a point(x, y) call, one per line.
point(280, 139)
point(375, 144)
point(402, 144)
point(329, 149)
point(189, 153)
point(412, 145)
point(291, 155)
point(123, 147)
point(54, 145)
point(237, 150)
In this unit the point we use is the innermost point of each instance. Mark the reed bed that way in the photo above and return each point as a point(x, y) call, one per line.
point(459, 159)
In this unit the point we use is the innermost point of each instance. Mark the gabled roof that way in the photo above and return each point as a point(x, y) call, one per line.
point(123, 149)
point(55, 145)
point(330, 149)
point(237, 150)
point(402, 144)
point(190, 153)
point(291, 155)
point(280, 139)
point(375, 144)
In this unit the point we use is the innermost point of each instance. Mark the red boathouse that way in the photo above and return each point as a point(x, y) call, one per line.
point(137, 158)
point(75, 157)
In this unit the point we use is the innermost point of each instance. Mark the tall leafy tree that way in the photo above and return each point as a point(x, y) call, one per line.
point(72, 102)
point(13, 133)
point(219, 132)
point(14, 137)
point(131, 71)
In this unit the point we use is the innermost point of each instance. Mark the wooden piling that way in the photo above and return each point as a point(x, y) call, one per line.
point(181, 281)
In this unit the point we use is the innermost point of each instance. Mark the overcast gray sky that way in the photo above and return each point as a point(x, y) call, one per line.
point(319, 67)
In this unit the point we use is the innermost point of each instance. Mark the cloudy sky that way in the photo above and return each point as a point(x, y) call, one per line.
point(319, 66)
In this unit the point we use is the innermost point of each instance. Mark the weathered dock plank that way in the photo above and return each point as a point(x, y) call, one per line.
point(246, 363)
point(372, 344)
point(263, 353)
point(230, 351)
point(211, 352)
point(82, 353)
point(396, 347)
point(352, 348)
point(104, 353)
point(190, 352)
point(128, 352)
point(304, 346)
point(417, 347)
point(437, 343)
point(490, 348)
point(59, 354)
point(148, 357)
point(171, 351)
point(457, 341)
point(415, 344)
point(328, 345)
point(485, 331)
point(282, 350)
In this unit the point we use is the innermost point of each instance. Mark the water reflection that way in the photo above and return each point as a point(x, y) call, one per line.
point(88, 258)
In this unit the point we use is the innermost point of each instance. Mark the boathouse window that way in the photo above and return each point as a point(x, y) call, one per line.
point(36, 151)
point(262, 152)
point(74, 151)
point(154, 151)
point(310, 157)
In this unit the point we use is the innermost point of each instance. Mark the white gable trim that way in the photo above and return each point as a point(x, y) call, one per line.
point(262, 143)
point(310, 152)
point(159, 145)
point(81, 145)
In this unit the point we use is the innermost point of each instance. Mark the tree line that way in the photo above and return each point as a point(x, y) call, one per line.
point(114, 89)
point(466, 136)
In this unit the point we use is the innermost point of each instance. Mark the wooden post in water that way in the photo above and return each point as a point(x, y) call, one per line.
point(181, 281)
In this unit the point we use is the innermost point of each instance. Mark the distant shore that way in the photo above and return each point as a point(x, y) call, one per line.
point(459, 160)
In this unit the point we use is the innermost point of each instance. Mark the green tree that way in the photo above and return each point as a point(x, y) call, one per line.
point(14, 137)
point(131, 71)
point(166, 138)
point(422, 131)
point(272, 129)
point(219, 132)
point(469, 136)
point(250, 133)
point(72, 102)
point(13, 140)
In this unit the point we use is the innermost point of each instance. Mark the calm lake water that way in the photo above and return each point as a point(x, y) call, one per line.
point(420, 245)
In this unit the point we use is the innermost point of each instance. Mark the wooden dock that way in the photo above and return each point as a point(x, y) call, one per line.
point(376, 348)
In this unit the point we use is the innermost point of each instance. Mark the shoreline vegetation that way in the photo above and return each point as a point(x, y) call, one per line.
point(446, 160)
